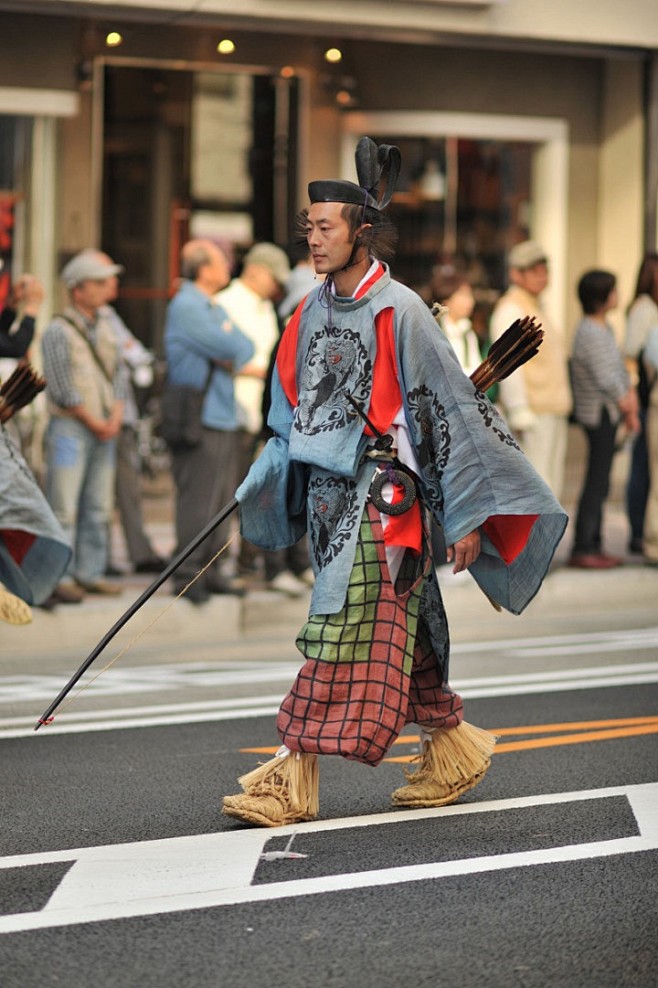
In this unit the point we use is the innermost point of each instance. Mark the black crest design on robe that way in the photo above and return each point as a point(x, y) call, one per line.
point(493, 420)
point(431, 438)
point(334, 504)
point(336, 362)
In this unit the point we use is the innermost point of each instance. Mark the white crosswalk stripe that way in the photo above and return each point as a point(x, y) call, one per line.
point(209, 870)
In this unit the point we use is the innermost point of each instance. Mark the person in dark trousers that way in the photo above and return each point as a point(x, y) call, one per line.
point(641, 320)
point(603, 397)
point(203, 350)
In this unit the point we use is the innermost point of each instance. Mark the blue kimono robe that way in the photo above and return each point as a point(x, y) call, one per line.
point(312, 477)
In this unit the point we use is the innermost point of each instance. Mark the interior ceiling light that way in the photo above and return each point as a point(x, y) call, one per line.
point(226, 46)
point(113, 39)
point(333, 55)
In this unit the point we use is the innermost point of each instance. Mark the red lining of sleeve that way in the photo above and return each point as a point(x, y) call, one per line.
point(18, 543)
point(509, 534)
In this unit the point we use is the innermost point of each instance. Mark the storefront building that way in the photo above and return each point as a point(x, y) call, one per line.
point(130, 126)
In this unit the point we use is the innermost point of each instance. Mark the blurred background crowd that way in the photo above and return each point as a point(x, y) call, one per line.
point(111, 415)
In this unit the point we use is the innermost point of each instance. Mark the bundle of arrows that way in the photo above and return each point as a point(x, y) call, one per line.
point(517, 345)
point(21, 387)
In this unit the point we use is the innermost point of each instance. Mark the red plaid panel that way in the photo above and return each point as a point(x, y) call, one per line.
point(355, 699)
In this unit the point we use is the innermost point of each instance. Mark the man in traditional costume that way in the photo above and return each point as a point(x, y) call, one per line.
point(375, 424)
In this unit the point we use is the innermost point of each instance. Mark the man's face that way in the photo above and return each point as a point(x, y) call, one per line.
point(328, 236)
point(90, 295)
point(112, 288)
point(534, 279)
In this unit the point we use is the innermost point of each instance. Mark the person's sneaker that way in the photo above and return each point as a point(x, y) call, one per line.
point(288, 584)
point(100, 587)
point(66, 593)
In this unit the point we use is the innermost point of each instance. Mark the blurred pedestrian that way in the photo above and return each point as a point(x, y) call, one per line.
point(301, 280)
point(294, 558)
point(536, 399)
point(603, 396)
point(249, 301)
point(137, 366)
point(204, 349)
point(451, 288)
point(641, 319)
point(650, 361)
point(81, 363)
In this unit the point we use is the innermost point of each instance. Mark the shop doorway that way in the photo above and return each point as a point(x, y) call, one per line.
point(471, 186)
point(191, 152)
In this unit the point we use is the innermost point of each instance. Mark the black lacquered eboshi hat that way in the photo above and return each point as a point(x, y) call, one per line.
point(377, 170)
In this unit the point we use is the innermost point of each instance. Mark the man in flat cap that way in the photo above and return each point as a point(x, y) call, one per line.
point(536, 399)
point(373, 416)
point(81, 363)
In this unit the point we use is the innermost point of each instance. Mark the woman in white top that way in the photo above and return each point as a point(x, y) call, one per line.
point(452, 290)
point(641, 319)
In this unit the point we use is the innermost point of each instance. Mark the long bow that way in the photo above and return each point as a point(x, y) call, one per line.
point(221, 516)
point(517, 345)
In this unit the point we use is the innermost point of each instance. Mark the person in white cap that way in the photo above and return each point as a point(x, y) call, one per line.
point(536, 399)
point(81, 362)
point(249, 301)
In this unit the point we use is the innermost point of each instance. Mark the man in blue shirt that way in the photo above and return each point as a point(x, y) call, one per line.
point(203, 349)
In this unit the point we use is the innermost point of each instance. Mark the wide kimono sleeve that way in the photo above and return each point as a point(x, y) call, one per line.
point(34, 550)
point(473, 474)
point(272, 497)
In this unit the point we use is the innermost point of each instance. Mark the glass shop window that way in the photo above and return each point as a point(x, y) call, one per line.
point(463, 200)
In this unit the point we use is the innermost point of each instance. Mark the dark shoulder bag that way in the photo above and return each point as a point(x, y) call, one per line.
point(180, 414)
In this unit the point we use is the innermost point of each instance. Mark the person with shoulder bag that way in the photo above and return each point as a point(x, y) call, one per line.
point(203, 349)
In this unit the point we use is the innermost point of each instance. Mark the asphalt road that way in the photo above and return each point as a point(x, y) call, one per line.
point(117, 869)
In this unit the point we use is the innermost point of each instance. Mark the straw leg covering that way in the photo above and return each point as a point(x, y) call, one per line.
point(283, 790)
point(13, 610)
point(452, 762)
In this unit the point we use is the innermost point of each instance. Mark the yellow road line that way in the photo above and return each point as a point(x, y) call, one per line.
point(623, 727)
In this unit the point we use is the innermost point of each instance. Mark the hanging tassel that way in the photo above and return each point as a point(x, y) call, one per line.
point(452, 762)
point(282, 791)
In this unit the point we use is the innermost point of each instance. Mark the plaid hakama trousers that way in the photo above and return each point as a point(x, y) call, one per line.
point(370, 669)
